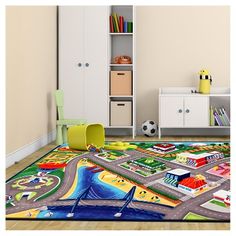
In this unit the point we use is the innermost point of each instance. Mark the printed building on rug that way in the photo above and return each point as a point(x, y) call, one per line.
point(197, 160)
point(164, 147)
point(222, 196)
point(192, 184)
point(174, 176)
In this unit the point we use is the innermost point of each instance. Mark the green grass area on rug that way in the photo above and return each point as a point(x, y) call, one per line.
point(193, 216)
point(218, 203)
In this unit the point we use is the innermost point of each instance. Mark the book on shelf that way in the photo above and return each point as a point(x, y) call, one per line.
point(114, 25)
point(125, 26)
point(219, 117)
point(212, 120)
point(111, 24)
point(222, 117)
point(119, 25)
point(116, 22)
point(130, 27)
point(225, 116)
point(121, 21)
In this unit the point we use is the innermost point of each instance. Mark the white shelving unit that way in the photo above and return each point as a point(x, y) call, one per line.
point(123, 44)
point(179, 108)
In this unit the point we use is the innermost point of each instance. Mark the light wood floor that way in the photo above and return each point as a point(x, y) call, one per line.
point(88, 225)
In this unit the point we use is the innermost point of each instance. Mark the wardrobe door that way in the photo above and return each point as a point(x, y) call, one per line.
point(71, 60)
point(96, 67)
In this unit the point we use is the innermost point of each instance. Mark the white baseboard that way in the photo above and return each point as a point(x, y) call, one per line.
point(28, 149)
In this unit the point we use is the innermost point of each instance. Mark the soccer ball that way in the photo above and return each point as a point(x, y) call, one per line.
point(149, 128)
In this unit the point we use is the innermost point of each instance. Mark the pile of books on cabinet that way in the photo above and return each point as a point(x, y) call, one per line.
point(119, 25)
point(219, 117)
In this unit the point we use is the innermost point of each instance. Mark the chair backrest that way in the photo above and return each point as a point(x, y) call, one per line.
point(59, 96)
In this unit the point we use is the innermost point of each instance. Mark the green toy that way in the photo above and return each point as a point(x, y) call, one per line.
point(120, 146)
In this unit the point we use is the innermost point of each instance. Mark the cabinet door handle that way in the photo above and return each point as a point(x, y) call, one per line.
point(180, 110)
point(79, 64)
point(187, 111)
point(87, 64)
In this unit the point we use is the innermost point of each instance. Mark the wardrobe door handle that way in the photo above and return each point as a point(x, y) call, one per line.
point(87, 64)
point(79, 64)
point(180, 110)
point(187, 111)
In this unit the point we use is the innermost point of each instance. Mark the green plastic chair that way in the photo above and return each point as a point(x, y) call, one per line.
point(62, 123)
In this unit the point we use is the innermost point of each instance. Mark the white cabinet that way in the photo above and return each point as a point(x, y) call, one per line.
point(83, 59)
point(183, 111)
point(179, 108)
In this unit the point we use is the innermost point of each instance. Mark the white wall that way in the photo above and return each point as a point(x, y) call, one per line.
point(30, 74)
point(173, 44)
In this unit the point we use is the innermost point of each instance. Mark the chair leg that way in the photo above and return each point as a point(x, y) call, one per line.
point(59, 138)
point(64, 133)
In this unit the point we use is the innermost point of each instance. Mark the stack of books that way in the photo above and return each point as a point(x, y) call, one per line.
point(118, 25)
point(219, 117)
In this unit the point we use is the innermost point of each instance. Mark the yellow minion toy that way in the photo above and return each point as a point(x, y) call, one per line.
point(205, 82)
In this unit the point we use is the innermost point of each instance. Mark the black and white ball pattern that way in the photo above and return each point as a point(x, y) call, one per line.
point(149, 128)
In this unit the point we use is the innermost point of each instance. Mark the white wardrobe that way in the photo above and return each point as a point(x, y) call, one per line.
point(83, 59)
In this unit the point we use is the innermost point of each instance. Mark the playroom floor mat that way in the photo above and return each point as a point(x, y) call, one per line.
point(136, 181)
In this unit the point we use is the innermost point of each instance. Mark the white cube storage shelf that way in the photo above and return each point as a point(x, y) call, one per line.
point(122, 86)
point(179, 108)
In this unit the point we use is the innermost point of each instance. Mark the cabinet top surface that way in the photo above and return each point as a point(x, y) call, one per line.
point(186, 91)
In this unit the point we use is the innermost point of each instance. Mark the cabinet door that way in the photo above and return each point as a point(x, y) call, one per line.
point(196, 111)
point(96, 71)
point(171, 111)
point(71, 52)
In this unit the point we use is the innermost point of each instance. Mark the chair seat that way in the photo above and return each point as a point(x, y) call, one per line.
point(71, 122)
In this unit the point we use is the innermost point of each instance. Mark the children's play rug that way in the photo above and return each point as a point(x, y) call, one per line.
point(137, 181)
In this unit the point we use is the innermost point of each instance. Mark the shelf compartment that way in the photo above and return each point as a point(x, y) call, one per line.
point(220, 102)
point(125, 10)
point(121, 46)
